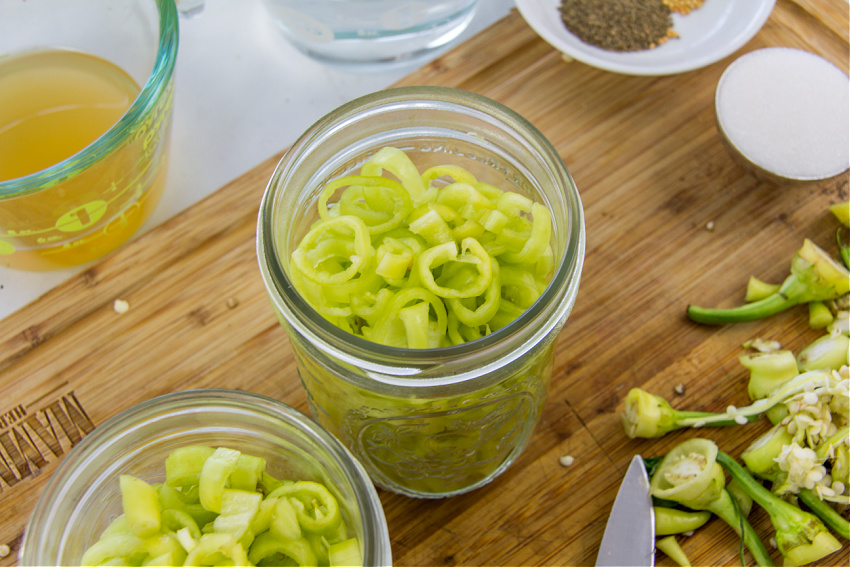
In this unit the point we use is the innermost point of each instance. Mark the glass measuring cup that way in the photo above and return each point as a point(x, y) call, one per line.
point(89, 202)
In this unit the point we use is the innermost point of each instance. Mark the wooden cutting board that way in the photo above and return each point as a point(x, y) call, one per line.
point(653, 177)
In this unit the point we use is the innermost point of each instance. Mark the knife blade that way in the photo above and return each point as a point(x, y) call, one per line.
point(629, 539)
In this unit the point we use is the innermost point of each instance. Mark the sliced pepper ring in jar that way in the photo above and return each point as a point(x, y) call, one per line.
point(326, 238)
point(315, 507)
point(487, 309)
point(471, 253)
point(396, 162)
point(456, 172)
point(387, 329)
point(381, 203)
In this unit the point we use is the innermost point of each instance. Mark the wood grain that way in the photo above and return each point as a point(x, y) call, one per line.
point(652, 174)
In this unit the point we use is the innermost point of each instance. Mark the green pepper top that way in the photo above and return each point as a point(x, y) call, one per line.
point(690, 476)
point(815, 276)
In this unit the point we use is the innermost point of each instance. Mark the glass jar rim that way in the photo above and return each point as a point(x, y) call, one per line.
point(125, 422)
point(395, 365)
point(149, 94)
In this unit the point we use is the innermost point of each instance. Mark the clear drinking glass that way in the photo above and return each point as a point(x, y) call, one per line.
point(370, 33)
point(425, 422)
point(83, 496)
point(54, 56)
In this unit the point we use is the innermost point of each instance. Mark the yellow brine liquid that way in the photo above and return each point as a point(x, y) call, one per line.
point(53, 105)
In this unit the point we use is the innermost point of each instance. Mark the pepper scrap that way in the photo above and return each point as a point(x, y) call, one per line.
point(800, 536)
point(647, 415)
point(843, 248)
point(842, 213)
point(690, 476)
point(814, 277)
point(673, 550)
point(672, 521)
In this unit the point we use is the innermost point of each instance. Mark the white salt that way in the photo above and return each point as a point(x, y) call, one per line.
point(120, 306)
point(566, 460)
point(788, 112)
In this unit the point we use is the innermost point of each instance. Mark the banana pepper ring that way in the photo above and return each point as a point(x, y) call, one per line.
point(465, 199)
point(416, 324)
point(369, 307)
point(215, 547)
point(343, 293)
point(396, 162)
point(316, 508)
point(456, 172)
point(482, 314)
point(471, 252)
point(362, 255)
point(373, 211)
point(538, 240)
point(431, 222)
point(394, 260)
point(469, 229)
point(361, 202)
point(398, 303)
point(490, 191)
point(266, 545)
point(521, 286)
point(314, 295)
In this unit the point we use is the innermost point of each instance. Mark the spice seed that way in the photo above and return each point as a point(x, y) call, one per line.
point(621, 25)
point(683, 7)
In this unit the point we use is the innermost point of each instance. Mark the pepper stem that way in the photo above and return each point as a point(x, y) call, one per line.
point(825, 512)
point(725, 508)
point(843, 248)
point(800, 536)
point(766, 307)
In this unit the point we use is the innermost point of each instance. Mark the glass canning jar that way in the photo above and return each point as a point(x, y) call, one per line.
point(425, 422)
point(82, 496)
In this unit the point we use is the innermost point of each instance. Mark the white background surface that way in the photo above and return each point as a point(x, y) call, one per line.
point(242, 94)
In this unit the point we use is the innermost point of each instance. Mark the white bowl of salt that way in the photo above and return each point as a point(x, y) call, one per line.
point(784, 113)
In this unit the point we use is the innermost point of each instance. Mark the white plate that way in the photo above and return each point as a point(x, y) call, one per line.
point(707, 34)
